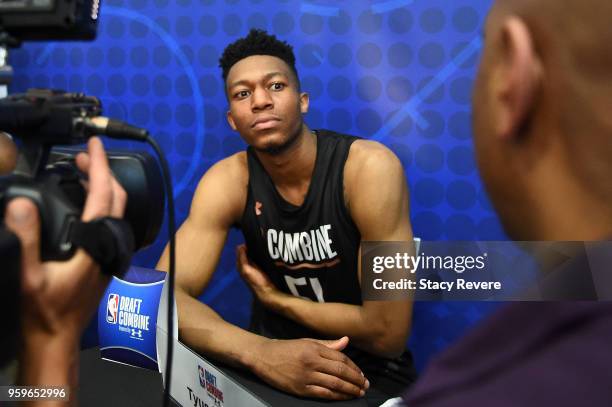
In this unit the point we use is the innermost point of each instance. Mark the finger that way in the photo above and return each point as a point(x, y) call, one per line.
point(313, 390)
point(22, 218)
point(241, 253)
point(339, 357)
point(82, 161)
point(342, 370)
point(324, 393)
point(336, 384)
point(100, 195)
point(335, 344)
point(120, 198)
point(241, 256)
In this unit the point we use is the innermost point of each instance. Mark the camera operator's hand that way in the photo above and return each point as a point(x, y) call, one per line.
point(58, 298)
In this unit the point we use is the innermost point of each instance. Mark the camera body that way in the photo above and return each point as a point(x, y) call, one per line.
point(45, 117)
point(57, 212)
point(50, 178)
point(50, 19)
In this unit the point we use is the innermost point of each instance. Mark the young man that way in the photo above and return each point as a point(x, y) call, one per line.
point(304, 201)
point(543, 135)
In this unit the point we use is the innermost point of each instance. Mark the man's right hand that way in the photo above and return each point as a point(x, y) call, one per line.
point(310, 368)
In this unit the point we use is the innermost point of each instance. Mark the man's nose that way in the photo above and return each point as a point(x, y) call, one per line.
point(261, 100)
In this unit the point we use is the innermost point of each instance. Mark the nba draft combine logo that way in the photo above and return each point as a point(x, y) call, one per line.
point(125, 312)
point(209, 382)
point(111, 308)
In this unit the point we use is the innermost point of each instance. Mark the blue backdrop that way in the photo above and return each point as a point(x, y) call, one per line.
point(396, 71)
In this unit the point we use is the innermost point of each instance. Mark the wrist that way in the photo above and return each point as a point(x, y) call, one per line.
point(252, 359)
point(60, 340)
point(48, 360)
point(273, 299)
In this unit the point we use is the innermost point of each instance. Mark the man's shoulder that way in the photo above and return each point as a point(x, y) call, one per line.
point(224, 187)
point(233, 168)
point(370, 169)
point(370, 157)
point(235, 163)
point(362, 148)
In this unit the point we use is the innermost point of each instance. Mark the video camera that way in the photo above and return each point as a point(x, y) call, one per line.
point(40, 120)
point(49, 19)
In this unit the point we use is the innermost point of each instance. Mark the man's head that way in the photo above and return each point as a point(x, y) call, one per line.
point(263, 91)
point(543, 130)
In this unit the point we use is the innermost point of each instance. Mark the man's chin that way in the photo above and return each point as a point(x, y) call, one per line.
point(275, 145)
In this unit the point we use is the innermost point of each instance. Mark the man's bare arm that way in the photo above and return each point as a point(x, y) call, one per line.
point(216, 205)
point(378, 201)
point(301, 366)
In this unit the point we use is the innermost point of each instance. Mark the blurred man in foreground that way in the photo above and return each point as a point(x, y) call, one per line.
point(543, 135)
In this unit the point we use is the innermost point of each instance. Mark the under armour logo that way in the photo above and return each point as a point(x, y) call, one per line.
point(137, 333)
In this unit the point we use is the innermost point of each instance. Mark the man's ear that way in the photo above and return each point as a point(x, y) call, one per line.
point(230, 120)
point(517, 77)
point(304, 102)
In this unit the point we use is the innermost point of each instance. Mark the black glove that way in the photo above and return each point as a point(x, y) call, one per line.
point(109, 241)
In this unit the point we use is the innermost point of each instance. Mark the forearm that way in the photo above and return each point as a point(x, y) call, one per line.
point(207, 333)
point(50, 361)
point(366, 330)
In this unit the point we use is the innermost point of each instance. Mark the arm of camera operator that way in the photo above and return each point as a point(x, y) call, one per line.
point(58, 298)
point(377, 198)
point(303, 366)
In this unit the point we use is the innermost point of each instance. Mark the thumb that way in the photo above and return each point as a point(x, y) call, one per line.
point(335, 344)
point(22, 218)
point(241, 255)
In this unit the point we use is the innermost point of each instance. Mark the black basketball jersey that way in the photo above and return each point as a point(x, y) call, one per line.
point(311, 251)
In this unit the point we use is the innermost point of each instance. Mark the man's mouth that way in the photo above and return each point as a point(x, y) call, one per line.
point(266, 122)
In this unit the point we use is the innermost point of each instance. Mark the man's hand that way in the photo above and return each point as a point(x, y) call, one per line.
point(58, 298)
point(310, 368)
point(257, 280)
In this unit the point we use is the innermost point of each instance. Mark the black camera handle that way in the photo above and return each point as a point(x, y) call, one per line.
point(32, 158)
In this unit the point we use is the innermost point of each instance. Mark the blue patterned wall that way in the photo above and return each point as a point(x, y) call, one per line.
point(397, 71)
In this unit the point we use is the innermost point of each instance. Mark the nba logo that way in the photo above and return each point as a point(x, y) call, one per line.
point(111, 308)
point(202, 374)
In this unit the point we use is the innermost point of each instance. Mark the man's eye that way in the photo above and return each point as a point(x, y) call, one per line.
point(277, 86)
point(242, 94)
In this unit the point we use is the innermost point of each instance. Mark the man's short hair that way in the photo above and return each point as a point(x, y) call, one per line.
point(257, 42)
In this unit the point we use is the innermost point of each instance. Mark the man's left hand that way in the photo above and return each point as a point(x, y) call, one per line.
point(257, 280)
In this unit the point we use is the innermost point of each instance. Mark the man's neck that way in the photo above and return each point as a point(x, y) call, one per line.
point(566, 208)
point(294, 167)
